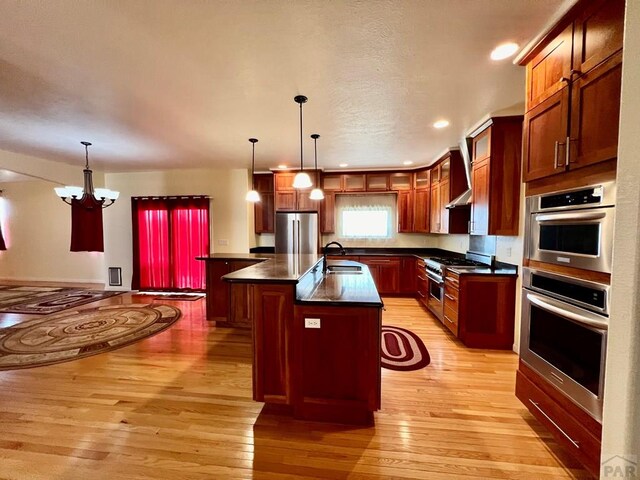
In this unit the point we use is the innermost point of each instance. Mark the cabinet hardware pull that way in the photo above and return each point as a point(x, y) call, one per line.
point(449, 297)
point(575, 72)
point(447, 318)
point(567, 159)
point(537, 406)
point(565, 79)
point(421, 294)
point(556, 153)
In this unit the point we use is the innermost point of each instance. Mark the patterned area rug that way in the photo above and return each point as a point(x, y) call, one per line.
point(403, 350)
point(46, 300)
point(80, 333)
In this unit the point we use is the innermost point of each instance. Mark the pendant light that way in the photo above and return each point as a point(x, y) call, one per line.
point(87, 195)
point(252, 195)
point(316, 193)
point(302, 179)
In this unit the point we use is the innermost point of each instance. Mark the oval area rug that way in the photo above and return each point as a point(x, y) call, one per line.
point(403, 349)
point(75, 334)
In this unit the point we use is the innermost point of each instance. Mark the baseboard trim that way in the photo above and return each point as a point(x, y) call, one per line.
point(54, 282)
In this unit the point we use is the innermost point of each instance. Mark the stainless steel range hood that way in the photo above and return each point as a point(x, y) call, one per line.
point(464, 200)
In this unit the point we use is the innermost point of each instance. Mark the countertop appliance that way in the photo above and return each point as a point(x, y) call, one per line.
point(564, 334)
point(297, 232)
point(573, 227)
point(435, 269)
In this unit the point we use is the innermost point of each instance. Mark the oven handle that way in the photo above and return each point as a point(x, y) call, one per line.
point(581, 217)
point(592, 322)
point(431, 276)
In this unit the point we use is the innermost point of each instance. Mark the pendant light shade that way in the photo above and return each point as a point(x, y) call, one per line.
point(253, 195)
point(302, 179)
point(316, 193)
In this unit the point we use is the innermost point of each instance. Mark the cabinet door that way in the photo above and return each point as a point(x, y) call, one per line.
point(548, 71)
point(263, 182)
point(284, 181)
point(239, 314)
point(389, 279)
point(354, 182)
point(480, 202)
point(545, 136)
point(377, 182)
point(435, 175)
point(333, 183)
point(597, 34)
point(481, 146)
point(328, 213)
point(401, 181)
point(408, 275)
point(421, 211)
point(264, 214)
point(305, 203)
point(595, 114)
point(422, 179)
point(217, 290)
point(443, 186)
point(285, 201)
point(435, 209)
point(405, 212)
point(445, 169)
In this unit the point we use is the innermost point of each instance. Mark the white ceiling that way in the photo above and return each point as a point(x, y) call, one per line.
point(185, 83)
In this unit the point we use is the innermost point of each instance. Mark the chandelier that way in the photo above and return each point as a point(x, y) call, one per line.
point(87, 195)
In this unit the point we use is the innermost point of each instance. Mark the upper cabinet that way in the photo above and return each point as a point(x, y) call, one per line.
point(448, 181)
point(495, 177)
point(288, 198)
point(573, 93)
point(421, 201)
point(264, 211)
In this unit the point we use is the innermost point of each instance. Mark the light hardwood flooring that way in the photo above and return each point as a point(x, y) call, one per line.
point(178, 406)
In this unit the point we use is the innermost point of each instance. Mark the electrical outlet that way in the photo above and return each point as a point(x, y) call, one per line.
point(311, 323)
point(223, 242)
point(508, 252)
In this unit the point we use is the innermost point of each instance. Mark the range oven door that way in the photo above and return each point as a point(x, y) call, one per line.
point(579, 238)
point(567, 346)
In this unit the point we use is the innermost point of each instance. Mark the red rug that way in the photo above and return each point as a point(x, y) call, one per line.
point(403, 350)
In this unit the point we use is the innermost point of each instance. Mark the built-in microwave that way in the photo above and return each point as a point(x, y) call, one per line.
point(564, 334)
point(573, 227)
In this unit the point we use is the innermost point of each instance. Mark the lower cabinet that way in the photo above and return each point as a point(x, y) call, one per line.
point(570, 426)
point(385, 272)
point(227, 304)
point(422, 283)
point(480, 309)
point(333, 384)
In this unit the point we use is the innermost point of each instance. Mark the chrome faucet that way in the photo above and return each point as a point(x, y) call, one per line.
point(324, 255)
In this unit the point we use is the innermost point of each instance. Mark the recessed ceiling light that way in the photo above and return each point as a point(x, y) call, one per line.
point(441, 124)
point(282, 167)
point(407, 162)
point(504, 50)
point(344, 165)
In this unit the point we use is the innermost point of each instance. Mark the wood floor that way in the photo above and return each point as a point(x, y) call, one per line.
point(178, 406)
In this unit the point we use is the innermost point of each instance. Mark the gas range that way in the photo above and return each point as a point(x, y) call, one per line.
point(436, 265)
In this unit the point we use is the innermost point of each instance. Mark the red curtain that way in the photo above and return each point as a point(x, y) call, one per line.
point(86, 225)
point(168, 234)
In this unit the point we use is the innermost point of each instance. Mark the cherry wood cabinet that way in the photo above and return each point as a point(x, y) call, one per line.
point(495, 176)
point(328, 213)
point(285, 201)
point(573, 91)
point(272, 312)
point(354, 182)
point(571, 427)
point(421, 208)
point(332, 182)
point(264, 210)
point(385, 272)
point(405, 211)
point(336, 370)
point(422, 283)
point(377, 182)
point(401, 181)
point(480, 309)
point(227, 304)
point(288, 198)
point(448, 181)
point(407, 276)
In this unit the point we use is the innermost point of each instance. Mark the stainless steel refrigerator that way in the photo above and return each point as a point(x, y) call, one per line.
point(297, 232)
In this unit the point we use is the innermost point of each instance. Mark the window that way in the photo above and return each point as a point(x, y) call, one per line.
point(366, 217)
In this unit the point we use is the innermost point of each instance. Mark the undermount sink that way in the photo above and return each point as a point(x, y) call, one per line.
point(344, 269)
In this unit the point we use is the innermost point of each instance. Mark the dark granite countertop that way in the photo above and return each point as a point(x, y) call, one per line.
point(237, 256)
point(379, 251)
point(343, 289)
point(278, 268)
point(499, 270)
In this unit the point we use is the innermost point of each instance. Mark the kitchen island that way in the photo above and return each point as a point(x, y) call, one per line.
point(316, 337)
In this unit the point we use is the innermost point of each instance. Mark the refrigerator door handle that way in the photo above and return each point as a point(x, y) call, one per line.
point(299, 247)
point(293, 235)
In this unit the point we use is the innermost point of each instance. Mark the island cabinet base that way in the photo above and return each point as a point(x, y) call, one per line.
point(336, 369)
point(329, 373)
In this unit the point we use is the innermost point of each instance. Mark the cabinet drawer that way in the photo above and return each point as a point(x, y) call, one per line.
point(451, 299)
point(566, 430)
point(451, 320)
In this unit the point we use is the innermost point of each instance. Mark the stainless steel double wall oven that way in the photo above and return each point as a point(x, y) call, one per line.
point(565, 318)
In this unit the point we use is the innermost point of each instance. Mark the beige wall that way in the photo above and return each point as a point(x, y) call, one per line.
point(231, 216)
point(621, 421)
point(37, 228)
